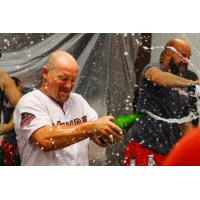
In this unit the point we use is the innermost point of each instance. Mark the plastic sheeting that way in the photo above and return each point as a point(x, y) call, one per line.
point(28, 62)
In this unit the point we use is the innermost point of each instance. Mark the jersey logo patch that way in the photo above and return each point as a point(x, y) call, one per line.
point(26, 119)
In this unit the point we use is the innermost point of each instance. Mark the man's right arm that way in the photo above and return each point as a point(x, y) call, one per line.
point(167, 79)
point(59, 136)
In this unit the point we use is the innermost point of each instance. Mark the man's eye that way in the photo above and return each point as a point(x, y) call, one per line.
point(62, 78)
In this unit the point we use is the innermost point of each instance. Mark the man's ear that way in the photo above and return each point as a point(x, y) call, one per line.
point(45, 72)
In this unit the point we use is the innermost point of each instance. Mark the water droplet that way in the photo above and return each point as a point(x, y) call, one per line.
point(125, 53)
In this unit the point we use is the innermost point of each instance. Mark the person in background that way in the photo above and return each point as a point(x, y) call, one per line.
point(186, 152)
point(9, 96)
point(53, 124)
point(9, 143)
point(162, 93)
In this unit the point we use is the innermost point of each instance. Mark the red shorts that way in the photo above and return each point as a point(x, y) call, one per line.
point(140, 154)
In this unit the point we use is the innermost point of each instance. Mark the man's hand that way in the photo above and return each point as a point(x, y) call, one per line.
point(106, 131)
point(197, 82)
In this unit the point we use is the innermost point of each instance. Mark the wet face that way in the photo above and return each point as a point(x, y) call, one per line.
point(177, 68)
point(179, 59)
point(60, 82)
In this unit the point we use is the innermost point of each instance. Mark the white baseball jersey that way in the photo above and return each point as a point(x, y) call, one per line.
point(35, 110)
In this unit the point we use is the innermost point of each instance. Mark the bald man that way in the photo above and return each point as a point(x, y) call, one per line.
point(54, 125)
point(162, 93)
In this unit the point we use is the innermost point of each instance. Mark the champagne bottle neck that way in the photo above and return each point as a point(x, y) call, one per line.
point(125, 122)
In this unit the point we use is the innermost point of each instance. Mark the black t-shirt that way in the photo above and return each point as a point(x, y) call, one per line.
point(163, 102)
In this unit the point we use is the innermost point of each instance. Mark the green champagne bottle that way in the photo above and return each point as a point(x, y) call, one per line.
point(125, 122)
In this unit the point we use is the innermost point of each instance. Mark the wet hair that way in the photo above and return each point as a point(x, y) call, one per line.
point(17, 81)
